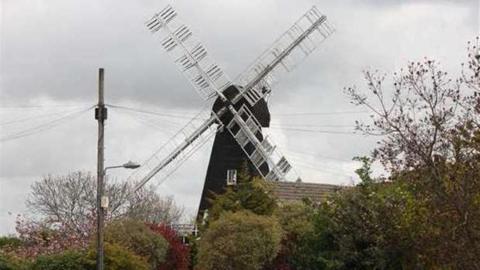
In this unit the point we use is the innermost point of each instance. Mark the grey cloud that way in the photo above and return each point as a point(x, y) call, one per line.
point(57, 50)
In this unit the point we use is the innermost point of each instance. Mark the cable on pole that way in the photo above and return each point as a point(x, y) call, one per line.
point(44, 126)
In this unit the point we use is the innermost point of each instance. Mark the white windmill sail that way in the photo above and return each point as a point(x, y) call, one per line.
point(266, 158)
point(176, 150)
point(285, 54)
point(188, 53)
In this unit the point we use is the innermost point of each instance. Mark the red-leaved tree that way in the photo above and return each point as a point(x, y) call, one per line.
point(178, 256)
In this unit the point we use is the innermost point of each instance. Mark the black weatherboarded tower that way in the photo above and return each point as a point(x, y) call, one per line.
point(227, 155)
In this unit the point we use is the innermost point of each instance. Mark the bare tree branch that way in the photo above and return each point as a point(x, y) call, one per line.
point(70, 199)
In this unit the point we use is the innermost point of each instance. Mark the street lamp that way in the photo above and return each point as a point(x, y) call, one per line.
point(103, 206)
point(129, 165)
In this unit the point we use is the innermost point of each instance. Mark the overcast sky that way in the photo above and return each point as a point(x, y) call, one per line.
point(50, 51)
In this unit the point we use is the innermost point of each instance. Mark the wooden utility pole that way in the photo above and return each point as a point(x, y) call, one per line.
point(101, 116)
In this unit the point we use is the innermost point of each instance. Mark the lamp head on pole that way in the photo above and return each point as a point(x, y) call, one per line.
point(130, 165)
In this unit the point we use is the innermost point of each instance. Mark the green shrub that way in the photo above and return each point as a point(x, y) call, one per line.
point(296, 219)
point(250, 193)
point(8, 262)
point(240, 240)
point(137, 237)
point(68, 260)
point(9, 241)
point(117, 258)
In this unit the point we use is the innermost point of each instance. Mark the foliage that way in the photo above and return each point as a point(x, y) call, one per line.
point(10, 262)
point(9, 242)
point(68, 260)
point(319, 249)
point(240, 240)
point(375, 226)
point(42, 238)
point(370, 226)
point(251, 193)
point(450, 195)
point(296, 219)
point(471, 69)
point(430, 147)
point(365, 171)
point(137, 237)
point(67, 204)
point(118, 258)
point(178, 255)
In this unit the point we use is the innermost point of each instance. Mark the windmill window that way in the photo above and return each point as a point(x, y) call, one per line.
point(231, 177)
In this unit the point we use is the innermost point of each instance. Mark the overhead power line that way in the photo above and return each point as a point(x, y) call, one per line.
point(188, 115)
point(296, 128)
point(295, 152)
point(332, 167)
point(34, 117)
point(183, 116)
point(3, 107)
point(182, 113)
point(319, 113)
point(307, 126)
point(145, 117)
point(44, 126)
point(163, 125)
point(316, 131)
point(314, 168)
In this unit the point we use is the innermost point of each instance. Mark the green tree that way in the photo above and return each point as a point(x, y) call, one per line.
point(430, 125)
point(370, 226)
point(251, 193)
point(373, 226)
point(10, 262)
point(9, 242)
point(68, 260)
point(240, 240)
point(137, 237)
point(296, 220)
point(118, 258)
point(365, 171)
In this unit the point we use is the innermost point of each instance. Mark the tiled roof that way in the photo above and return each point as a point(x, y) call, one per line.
point(296, 191)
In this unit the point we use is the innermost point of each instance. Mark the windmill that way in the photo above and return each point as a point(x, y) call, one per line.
point(240, 110)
